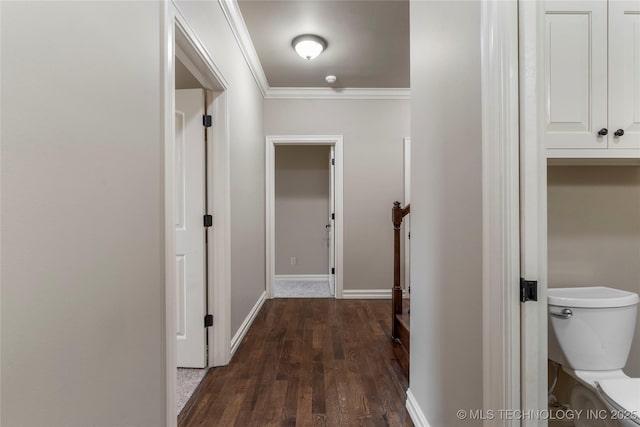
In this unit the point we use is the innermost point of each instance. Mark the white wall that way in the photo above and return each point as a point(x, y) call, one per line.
point(446, 207)
point(302, 209)
point(373, 173)
point(82, 268)
point(594, 231)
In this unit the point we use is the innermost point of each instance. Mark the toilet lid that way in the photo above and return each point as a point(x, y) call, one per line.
point(624, 394)
point(591, 297)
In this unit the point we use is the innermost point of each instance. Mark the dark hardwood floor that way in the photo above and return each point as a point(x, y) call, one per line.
point(308, 362)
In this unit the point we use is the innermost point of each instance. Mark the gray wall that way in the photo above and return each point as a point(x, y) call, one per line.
point(302, 209)
point(373, 173)
point(82, 244)
point(594, 231)
point(446, 210)
point(82, 268)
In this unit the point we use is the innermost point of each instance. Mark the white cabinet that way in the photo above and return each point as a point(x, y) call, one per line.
point(591, 76)
point(624, 72)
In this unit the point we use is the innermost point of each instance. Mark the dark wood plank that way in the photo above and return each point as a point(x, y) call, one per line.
point(308, 362)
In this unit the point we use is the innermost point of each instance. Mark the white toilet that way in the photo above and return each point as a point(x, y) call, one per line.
point(590, 335)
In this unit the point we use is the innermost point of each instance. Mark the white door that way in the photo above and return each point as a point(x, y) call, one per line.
point(190, 232)
point(575, 63)
point(624, 71)
point(332, 222)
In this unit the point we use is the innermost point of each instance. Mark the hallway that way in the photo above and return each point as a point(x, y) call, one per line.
point(304, 362)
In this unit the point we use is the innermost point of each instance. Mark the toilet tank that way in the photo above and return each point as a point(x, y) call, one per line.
point(591, 328)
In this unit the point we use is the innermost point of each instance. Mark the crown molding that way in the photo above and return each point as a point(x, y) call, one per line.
point(234, 17)
point(336, 93)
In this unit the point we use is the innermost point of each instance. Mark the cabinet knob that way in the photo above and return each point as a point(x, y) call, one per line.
point(603, 132)
point(619, 132)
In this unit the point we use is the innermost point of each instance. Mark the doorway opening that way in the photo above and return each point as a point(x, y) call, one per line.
point(304, 220)
point(197, 213)
point(304, 212)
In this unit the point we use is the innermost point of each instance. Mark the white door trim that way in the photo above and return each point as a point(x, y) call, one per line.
point(533, 205)
point(270, 196)
point(406, 226)
point(178, 38)
point(501, 210)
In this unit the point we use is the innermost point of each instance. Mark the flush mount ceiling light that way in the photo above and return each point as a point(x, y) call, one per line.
point(309, 46)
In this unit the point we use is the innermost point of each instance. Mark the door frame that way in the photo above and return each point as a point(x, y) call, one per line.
point(507, 382)
point(533, 208)
point(177, 38)
point(270, 198)
point(406, 223)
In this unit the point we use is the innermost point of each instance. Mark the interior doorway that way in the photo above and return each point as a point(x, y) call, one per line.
point(311, 225)
point(191, 232)
point(304, 224)
point(197, 194)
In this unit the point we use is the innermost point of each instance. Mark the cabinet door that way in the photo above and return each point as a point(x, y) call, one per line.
point(575, 61)
point(624, 72)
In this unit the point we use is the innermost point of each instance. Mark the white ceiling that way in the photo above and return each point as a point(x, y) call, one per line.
point(368, 41)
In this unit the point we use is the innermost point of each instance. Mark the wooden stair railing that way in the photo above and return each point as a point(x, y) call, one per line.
point(398, 214)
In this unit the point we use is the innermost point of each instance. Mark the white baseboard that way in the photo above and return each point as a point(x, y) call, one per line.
point(303, 277)
point(242, 331)
point(368, 294)
point(415, 412)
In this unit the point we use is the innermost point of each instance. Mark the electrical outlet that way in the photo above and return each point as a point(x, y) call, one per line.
point(294, 260)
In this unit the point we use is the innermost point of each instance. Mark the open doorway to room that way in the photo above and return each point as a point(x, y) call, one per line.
point(304, 216)
point(304, 241)
point(197, 212)
point(563, 346)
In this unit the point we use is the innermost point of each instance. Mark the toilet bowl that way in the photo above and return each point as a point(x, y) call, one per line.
point(590, 334)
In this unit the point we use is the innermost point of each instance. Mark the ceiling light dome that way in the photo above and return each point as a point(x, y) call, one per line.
point(309, 46)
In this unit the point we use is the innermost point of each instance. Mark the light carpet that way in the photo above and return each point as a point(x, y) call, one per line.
point(302, 289)
point(188, 380)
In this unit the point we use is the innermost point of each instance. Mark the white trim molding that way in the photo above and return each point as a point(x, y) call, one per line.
point(369, 294)
point(533, 205)
point(270, 196)
point(593, 154)
point(238, 26)
point(415, 412)
point(167, 98)
point(231, 11)
point(302, 277)
point(246, 324)
point(336, 93)
point(501, 209)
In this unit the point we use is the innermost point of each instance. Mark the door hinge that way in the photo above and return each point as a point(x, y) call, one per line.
point(208, 320)
point(207, 121)
point(333, 270)
point(333, 162)
point(333, 216)
point(208, 220)
point(528, 290)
